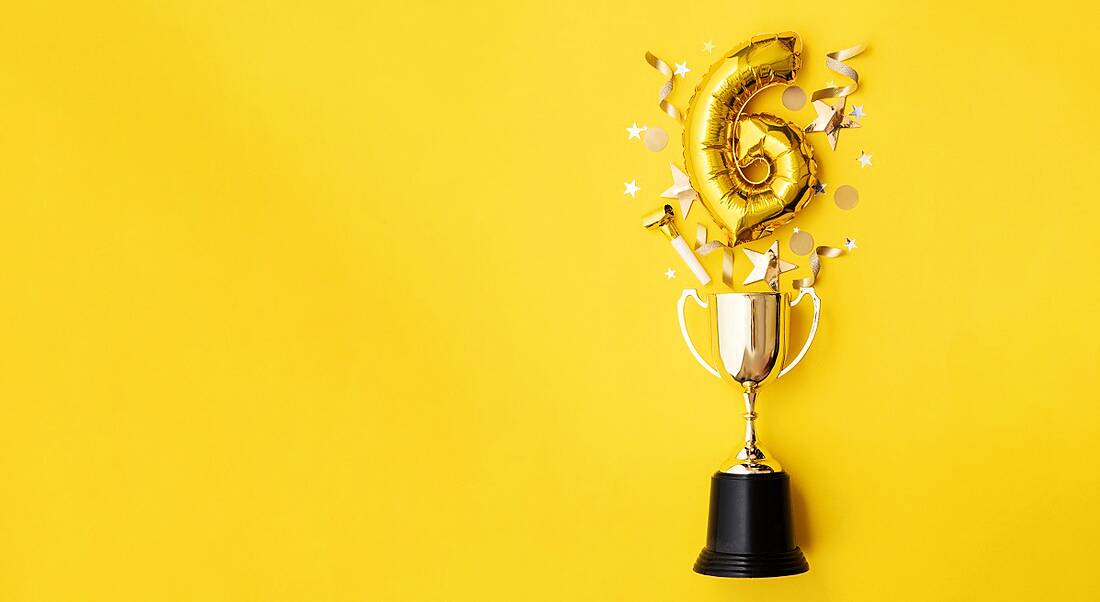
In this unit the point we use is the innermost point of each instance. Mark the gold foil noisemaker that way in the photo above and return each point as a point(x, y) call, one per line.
point(665, 220)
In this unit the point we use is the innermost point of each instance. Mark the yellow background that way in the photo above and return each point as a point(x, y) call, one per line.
point(343, 301)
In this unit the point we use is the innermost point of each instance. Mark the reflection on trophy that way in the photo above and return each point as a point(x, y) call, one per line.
point(750, 532)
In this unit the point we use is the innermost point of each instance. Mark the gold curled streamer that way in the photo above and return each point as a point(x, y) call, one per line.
point(710, 247)
point(666, 89)
point(835, 62)
point(815, 265)
point(727, 266)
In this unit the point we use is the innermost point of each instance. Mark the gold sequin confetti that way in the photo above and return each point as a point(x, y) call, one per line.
point(656, 139)
point(794, 98)
point(802, 243)
point(846, 197)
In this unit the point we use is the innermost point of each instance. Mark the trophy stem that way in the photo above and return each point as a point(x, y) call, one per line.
point(750, 418)
point(751, 459)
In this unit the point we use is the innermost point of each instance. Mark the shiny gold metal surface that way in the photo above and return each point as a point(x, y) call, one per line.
point(721, 141)
point(749, 335)
point(662, 219)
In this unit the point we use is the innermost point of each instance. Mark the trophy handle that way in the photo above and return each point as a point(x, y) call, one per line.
point(809, 290)
point(690, 292)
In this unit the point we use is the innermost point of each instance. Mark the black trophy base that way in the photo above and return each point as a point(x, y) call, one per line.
point(749, 533)
point(746, 566)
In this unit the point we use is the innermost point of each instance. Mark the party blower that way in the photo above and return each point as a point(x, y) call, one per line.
point(665, 220)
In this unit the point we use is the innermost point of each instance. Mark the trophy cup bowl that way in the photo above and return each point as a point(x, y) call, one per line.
point(750, 532)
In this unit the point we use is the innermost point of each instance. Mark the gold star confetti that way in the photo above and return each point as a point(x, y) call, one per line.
point(830, 119)
point(680, 189)
point(767, 266)
point(708, 46)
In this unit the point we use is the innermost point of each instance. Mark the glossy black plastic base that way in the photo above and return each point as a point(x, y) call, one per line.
point(749, 533)
point(717, 564)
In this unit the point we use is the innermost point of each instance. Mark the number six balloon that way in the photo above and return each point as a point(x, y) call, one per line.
point(721, 141)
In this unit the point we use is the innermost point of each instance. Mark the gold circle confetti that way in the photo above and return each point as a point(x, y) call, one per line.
point(656, 139)
point(802, 243)
point(794, 98)
point(846, 197)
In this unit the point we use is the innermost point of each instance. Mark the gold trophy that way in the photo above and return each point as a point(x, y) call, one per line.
point(750, 532)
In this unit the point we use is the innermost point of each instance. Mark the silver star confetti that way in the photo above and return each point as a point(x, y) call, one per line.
point(670, 273)
point(864, 159)
point(631, 188)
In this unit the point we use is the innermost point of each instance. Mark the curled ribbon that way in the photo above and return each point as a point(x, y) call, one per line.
point(835, 62)
point(815, 265)
point(666, 89)
point(704, 248)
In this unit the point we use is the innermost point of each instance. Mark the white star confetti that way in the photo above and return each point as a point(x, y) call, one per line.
point(682, 69)
point(857, 112)
point(635, 132)
point(850, 243)
point(797, 229)
point(864, 159)
point(670, 274)
point(708, 46)
point(631, 188)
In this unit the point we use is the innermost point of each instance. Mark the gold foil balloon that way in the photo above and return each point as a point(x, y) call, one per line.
point(722, 141)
